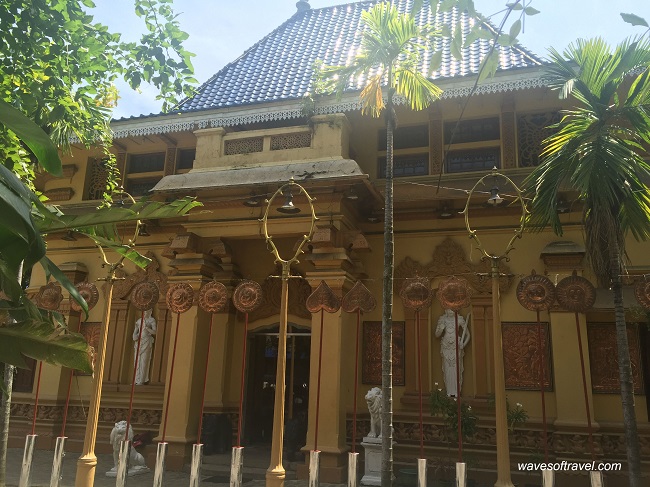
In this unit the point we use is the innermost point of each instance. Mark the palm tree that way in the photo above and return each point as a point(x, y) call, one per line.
point(597, 152)
point(389, 56)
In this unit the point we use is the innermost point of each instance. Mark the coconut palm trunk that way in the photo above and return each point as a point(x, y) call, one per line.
point(5, 413)
point(625, 368)
point(387, 308)
point(390, 52)
point(598, 151)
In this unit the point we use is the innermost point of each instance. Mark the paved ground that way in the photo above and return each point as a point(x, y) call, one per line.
point(215, 476)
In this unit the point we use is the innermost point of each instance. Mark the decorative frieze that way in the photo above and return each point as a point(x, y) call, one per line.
point(522, 358)
point(603, 358)
point(371, 369)
point(449, 259)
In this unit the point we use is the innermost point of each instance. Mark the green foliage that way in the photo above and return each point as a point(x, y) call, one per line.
point(391, 42)
point(447, 408)
point(37, 140)
point(58, 66)
point(515, 416)
point(597, 149)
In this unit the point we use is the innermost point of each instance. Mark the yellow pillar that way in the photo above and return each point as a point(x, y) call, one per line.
point(191, 348)
point(336, 382)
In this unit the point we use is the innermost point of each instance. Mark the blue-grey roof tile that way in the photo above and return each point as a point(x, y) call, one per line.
point(279, 66)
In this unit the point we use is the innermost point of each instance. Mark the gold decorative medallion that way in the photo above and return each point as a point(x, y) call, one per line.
point(535, 292)
point(145, 295)
point(642, 293)
point(359, 298)
point(416, 293)
point(180, 297)
point(247, 296)
point(323, 298)
point(213, 297)
point(89, 292)
point(575, 293)
point(454, 293)
point(49, 297)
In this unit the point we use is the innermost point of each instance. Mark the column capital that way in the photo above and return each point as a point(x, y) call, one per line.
point(563, 256)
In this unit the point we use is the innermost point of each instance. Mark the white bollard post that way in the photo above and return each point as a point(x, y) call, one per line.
point(422, 472)
point(123, 464)
point(28, 453)
point(461, 474)
point(353, 462)
point(195, 467)
point(236, 466)
point(596, 479)
point(314, 467)
point(57, 463)
point(548, 478)
point(159, 472)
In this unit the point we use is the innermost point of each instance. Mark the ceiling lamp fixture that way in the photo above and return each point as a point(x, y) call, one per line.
point(351, 194)
point(253, 201)
point(288, 207)
point(446, 212)
point(495, 199)
point(142, 230)
point(69, 236)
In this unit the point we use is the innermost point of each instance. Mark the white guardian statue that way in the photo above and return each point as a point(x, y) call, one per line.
point(447, 329)
point(146, 346)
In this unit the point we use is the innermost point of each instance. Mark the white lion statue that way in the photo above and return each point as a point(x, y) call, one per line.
point(373, 398)
point(136, 461)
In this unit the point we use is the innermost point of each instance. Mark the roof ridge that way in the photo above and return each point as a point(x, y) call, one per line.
point(247, 51)
point(534, 58)
point(267, 71)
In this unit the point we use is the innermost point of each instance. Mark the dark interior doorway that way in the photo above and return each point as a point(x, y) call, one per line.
point(260, 390)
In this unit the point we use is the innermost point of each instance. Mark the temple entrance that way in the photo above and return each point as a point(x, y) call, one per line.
point(260, 391)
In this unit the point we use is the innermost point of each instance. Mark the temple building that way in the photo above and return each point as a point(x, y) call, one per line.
point(232, 145)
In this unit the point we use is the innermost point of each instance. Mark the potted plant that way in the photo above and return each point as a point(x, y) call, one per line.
point(446, 407)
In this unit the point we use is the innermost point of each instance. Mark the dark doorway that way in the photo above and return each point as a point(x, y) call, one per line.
point(260, 391)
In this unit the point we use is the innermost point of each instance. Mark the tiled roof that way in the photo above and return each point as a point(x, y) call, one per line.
point(279, 67)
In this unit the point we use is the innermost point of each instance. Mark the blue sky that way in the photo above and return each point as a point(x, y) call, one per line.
point(221, 30)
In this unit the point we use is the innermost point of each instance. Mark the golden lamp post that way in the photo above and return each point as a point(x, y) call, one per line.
point(503, 448)
point(275, 474)
point(87, 463)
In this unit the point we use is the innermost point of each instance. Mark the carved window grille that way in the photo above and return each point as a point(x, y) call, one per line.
point(408, 137)
point(97, 179)
point(479, 130)
point(473, 160)
point(185, 159)
point(532, 129)
point(291, 141)
point(146, 162)
point(140, 187)
point(406, 165)
point(243, 146)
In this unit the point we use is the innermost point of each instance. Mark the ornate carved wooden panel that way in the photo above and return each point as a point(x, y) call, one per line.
point(435, 145)
point(508, 141)
point(151, 273)
point(603, 358)
point(449, 259)
point(521, 356)
point(371, 371)
point(299, 291)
